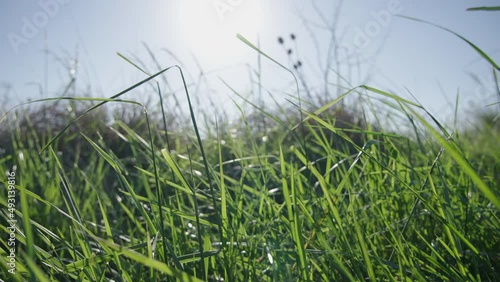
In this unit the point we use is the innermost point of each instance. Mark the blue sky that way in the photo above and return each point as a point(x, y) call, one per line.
point(397, 54)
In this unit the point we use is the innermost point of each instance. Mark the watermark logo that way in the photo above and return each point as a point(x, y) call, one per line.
point(373, 28)
point(486, 86)
point(31, 26)
point(11, 222)
point(222, 7)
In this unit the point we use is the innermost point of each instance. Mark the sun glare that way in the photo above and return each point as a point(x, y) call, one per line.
point(209, 28)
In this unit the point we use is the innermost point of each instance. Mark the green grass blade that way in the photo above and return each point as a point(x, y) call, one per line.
point(149, 262)
point(477, 49)
point(494, 8)
point(100, 104)
point(461, 161)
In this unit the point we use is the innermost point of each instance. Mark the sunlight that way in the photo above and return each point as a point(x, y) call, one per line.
point(209, 28)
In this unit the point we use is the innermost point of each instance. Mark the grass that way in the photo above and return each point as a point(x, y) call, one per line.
point(306, 199)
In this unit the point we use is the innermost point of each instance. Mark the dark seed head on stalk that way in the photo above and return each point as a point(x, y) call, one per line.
point(280, 40)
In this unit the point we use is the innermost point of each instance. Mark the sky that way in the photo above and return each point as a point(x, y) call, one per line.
point(45, 43)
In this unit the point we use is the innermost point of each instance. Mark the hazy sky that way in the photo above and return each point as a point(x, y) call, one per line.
point(395, 53)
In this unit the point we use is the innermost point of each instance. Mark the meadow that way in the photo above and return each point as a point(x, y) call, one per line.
point(378, 191)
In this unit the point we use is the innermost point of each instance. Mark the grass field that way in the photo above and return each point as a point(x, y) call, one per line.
point(290, 194)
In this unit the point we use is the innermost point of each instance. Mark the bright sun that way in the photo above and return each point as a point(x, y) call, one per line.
point(209, 28)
